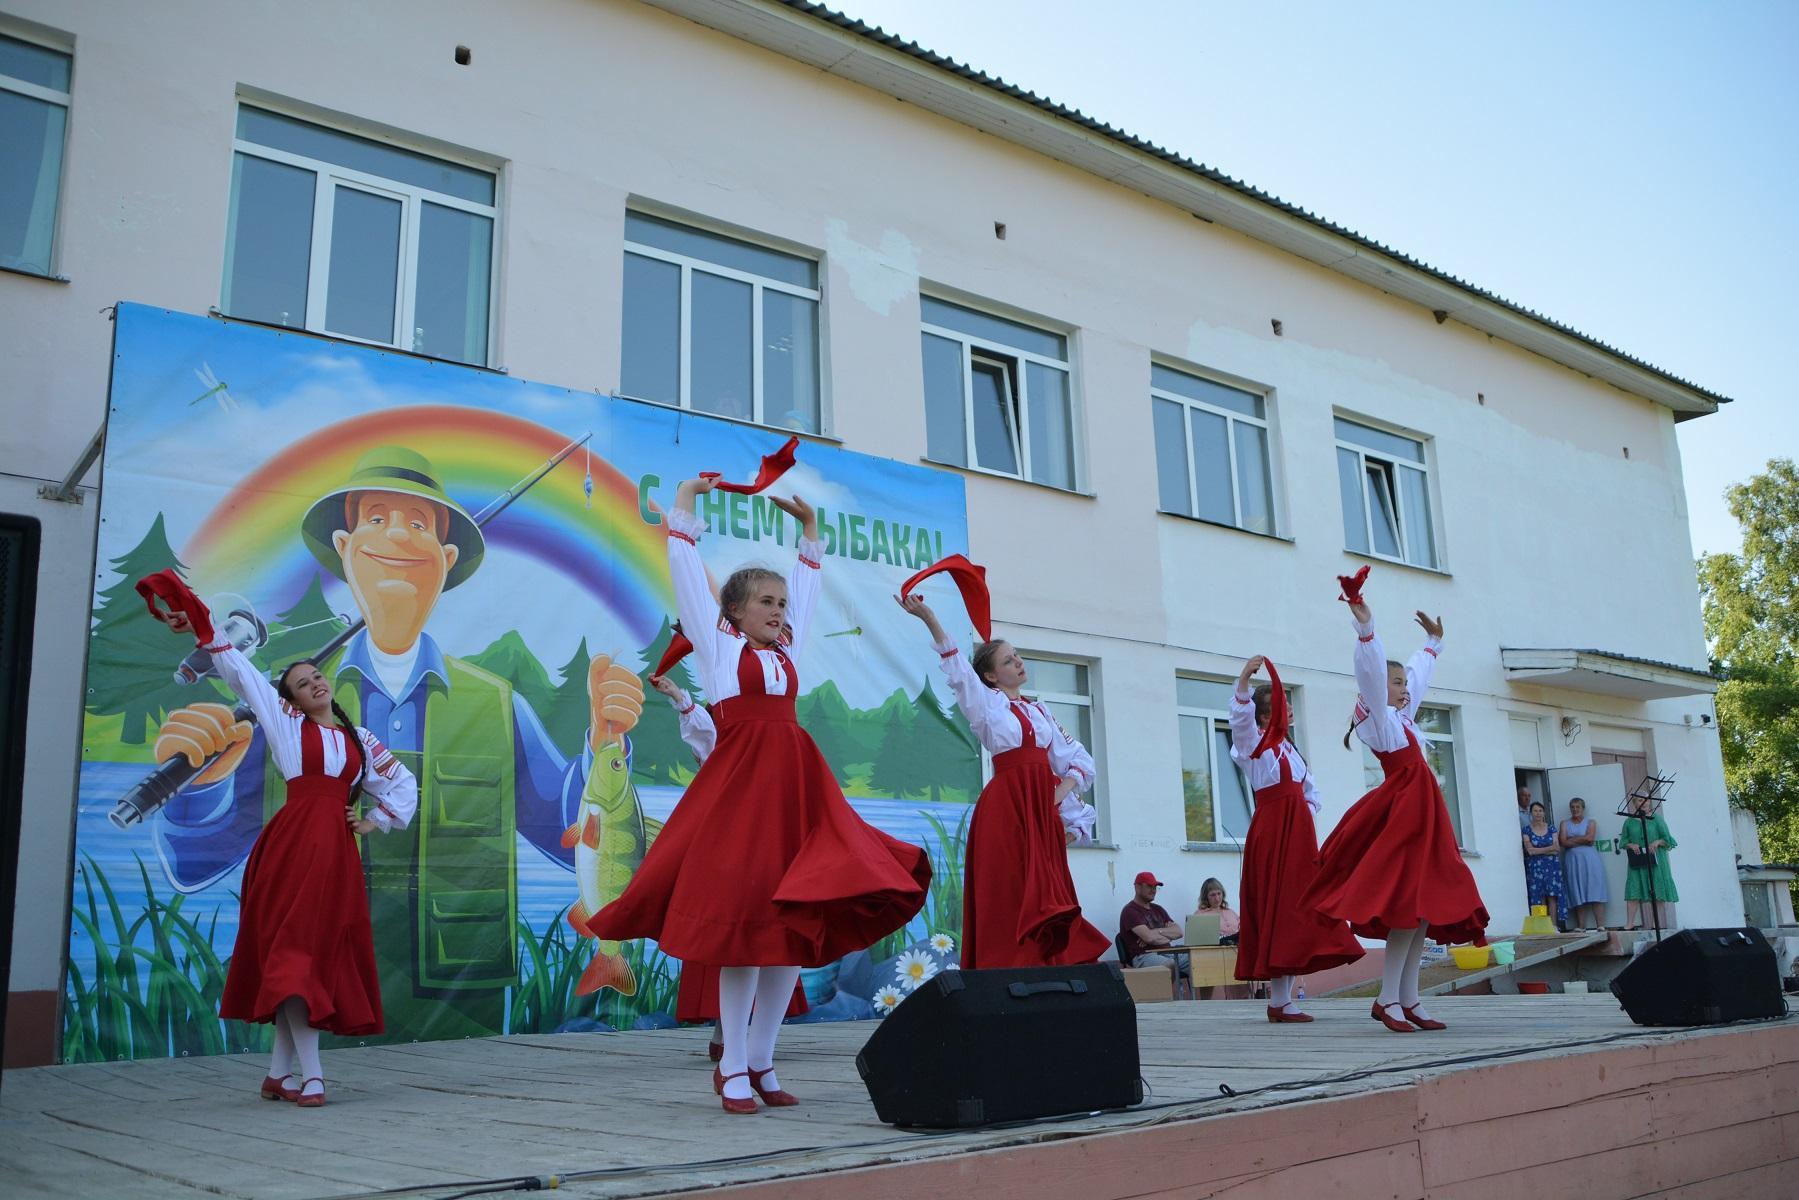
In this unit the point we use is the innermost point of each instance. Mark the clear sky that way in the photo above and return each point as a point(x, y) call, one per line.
point(1630, 169)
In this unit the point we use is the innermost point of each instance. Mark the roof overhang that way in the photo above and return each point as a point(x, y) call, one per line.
point(819, 38)
point(1606, 674)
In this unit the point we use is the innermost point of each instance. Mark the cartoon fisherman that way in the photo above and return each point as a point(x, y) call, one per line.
point(443, 893)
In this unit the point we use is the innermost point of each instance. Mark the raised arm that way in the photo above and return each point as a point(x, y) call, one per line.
point(806, 579)
point(1424, 663)
point(1244, 734)
point(1371, 677)
point(693, 594)
point(980, 704)
point(393, 787)
point(279, 724)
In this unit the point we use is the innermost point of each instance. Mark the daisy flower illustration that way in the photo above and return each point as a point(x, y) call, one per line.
point(913, 968)
point(887, 999)
point(943, 943)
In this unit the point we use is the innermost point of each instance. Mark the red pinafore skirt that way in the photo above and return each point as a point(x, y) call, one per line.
point(1019, 907)
point(763, 862)
point(1392, 862)
point(303, 922)
point(1280, 935)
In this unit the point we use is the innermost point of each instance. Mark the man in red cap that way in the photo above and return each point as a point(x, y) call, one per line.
point(1145, 925)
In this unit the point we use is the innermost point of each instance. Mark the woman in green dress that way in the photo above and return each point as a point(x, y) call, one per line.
point(1644, 830)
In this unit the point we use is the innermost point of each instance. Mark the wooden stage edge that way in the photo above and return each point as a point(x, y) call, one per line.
point(1521, 1097)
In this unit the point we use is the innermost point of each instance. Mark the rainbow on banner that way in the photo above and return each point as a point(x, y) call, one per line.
point(478, 454)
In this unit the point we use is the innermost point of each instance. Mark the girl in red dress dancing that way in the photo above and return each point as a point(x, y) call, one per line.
point(697, 997)
point(763, 867)
point(1391, 867)
point(1279, 938)
point(305, 952)
point(1019, 907)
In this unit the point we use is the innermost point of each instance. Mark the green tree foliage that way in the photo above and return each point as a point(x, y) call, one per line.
point(899, 769)
point(938, 742)
point(569, 713)
point(1751, 607)
point(302, 630)
point(132, 659)
point(512, 660)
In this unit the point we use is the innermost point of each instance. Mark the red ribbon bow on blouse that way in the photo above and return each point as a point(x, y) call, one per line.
point(167, 586)
point(971, 581)
point(678, 648)
point(1278, 717)
point(773, 467)
point(1352, 586)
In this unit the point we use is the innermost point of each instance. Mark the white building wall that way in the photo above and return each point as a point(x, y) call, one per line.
point(1551, 533)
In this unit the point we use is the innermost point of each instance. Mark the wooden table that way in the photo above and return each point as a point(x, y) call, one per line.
point(1208, 966)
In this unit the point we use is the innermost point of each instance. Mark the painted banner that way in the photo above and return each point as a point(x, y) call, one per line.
point(477, 646)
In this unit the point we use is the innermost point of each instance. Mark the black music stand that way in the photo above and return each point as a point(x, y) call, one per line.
point(1640, 805)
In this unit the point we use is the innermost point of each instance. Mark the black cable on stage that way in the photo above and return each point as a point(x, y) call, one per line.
point(1162, 1109)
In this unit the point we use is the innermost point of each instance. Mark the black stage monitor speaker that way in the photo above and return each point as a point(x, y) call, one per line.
point(976, 1047)
point(1702, 977)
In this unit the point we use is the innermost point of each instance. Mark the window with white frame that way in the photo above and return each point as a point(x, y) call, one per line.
point(1437, 727)
point(1384, 479)
point(1065, 688)
point(34, 116)
point(997, 395)
point(1213, 793)
point(1212, 450)
point(719, 325)
point(361, 239)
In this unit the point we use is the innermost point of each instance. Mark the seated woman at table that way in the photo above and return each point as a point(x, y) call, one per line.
point(1212, 900)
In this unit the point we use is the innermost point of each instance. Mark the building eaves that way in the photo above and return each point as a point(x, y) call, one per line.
point(1361, 245)
point(1695, 672)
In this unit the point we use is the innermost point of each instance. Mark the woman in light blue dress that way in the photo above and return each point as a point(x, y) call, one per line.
point(1583, 869)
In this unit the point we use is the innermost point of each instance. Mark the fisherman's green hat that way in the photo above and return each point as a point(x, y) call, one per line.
point(392, 469)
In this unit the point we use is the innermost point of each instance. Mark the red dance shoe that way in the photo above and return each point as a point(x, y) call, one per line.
point(778, 1098)
point(305, 1101)
point(1280, 1016)
point(715, 1050)
point(272, 1089)
point(737, 1107)
point(1380, 1014)
point(1411, 1014)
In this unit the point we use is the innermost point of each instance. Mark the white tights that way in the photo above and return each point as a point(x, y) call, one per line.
point(1399, 971)
point(1280, 993)
point(296, 1054)
point(747, 1046)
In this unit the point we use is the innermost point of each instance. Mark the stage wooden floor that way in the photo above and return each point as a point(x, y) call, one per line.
point(1522, 1096)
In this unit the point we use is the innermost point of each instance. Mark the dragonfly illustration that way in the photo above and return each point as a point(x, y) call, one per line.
point(214, 387)
point(851, 630)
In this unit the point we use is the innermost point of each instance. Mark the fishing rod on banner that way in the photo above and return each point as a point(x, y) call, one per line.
point(245, 630)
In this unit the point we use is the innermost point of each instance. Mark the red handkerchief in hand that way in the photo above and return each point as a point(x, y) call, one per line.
point(1352, 585)
point(167, 586)
point(773, 467)
point(971, 581)
point(678, 648)
point(1276, 732)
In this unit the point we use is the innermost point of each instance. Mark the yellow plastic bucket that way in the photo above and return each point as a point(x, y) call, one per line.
point(1469, 958)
